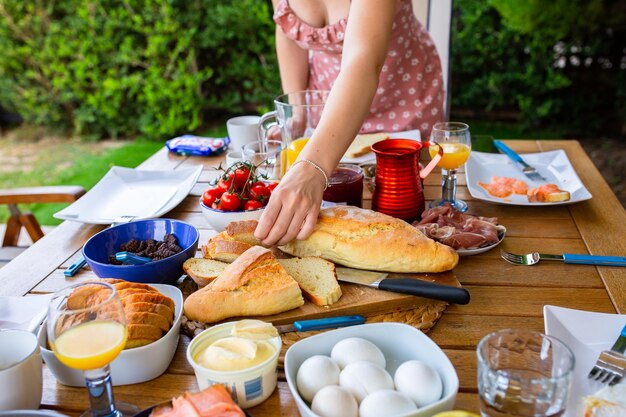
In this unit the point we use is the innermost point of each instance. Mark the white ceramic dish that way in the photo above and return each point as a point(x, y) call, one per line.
point(250, 386)
point(371, 157)
point(132, 366)
point(587, 334)
point(17, 312)
point(469, 252)
point(218, 220)
point(414, 345)
point(553, 165)
point(132, 192)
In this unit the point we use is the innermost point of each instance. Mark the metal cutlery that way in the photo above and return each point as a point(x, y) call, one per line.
point(568, 258)
point(320, 324)
point(611, 364)
point(528, 170)
point(404, 284)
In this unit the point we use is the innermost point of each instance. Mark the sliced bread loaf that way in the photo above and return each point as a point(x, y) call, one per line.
point(316, 277)
point(362, 144)
point(203, 270)
point(223, 248)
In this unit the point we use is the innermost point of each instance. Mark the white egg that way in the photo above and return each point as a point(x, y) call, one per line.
point(419, 381)
point(363, 378)
point(315, 373)
point(386, 403)
point(334, 401)
point(355, 349)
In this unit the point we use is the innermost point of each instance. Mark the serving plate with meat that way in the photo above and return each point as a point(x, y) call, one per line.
point(468, 234)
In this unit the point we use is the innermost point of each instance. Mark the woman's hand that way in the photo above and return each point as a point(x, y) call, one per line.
point(294, 205)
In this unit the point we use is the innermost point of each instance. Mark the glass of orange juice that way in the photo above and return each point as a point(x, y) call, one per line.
point(456, 141)
point(87, 330)
point(294, 149)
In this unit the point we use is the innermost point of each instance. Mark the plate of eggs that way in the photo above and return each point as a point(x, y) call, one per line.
point(370, 370)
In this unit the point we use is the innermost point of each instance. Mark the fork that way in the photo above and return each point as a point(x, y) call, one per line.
point(81, 261)
point(611, 364)
point(568, 258)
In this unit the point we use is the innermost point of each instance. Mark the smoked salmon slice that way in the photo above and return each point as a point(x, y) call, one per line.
point(497, 190)
point(547, 193)
point(518, 186)
point(214, 401)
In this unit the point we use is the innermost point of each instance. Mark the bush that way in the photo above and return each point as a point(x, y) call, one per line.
point(114, 67)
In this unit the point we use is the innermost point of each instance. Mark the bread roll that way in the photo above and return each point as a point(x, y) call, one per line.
point(366, 239)
point(223, 248)
point(255, 284)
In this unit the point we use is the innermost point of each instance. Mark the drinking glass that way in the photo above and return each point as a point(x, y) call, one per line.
point(268, 156)
point(455, 139)
point(522, 373)
point(90, 338)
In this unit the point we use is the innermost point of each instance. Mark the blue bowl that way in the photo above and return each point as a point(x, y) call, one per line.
point(165, 271)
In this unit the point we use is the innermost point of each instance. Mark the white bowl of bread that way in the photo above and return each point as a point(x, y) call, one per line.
point(365, 343)
point(153, 316)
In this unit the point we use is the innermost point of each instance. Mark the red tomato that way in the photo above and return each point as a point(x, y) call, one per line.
point(225, 182)
point(216, 206)
point(260, 192)
point(210, 195)
point(271, 186)
point(230, 202)
point(252, 205)
point(241, 177)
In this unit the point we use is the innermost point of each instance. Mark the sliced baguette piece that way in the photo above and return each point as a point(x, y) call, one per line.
point(142, 317)
point(255, 284)
point(143, 307)
point(243, 231)
point(142, 334)
point(317, 278)
point(203, 271)
point(362, 144)
point(222, 248)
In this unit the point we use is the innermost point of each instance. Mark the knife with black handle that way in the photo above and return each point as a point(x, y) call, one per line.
point(398, 283)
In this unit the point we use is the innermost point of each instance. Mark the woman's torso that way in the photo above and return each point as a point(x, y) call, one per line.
point(410, 91)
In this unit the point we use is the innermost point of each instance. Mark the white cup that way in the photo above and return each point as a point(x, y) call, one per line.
point(21, 376)
point(242, 130)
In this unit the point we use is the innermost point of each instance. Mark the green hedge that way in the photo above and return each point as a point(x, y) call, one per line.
point(126, 67)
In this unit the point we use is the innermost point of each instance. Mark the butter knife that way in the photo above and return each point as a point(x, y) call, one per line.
point(320, 324)
point(528, 170)
point(402, 284)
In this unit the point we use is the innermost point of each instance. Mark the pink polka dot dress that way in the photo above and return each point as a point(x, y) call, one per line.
point(410, 89)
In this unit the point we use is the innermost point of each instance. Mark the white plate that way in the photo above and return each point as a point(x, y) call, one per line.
point(553, 165)
point(468, 252)
point(371, 157)
point(132, 192)
point(587, 334)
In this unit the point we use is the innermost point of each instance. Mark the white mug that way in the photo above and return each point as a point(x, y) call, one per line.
point(242, 130)
point(233, 157)
point(21, 376)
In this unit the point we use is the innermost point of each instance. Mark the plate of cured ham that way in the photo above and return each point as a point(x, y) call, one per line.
point(466, 233)
point(495, 178)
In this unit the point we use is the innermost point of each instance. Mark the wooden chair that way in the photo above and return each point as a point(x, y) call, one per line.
point(19, 219)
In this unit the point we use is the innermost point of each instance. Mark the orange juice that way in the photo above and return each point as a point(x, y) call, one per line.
point(294, 149)
point(454, 154)
point(91, 345)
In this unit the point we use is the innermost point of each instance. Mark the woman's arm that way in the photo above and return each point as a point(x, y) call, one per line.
point(293, 62)
point(292, 211)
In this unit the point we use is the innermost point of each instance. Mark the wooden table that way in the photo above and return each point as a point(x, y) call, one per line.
point(503, 295)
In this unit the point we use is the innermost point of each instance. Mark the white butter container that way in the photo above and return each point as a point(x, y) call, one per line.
point(249, 386)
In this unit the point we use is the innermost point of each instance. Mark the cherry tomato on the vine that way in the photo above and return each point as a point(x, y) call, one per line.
point(225, 183)
point(252, 205)
point(210, 195)
point(230, 202)
point(241, 177)
point(271, 186)
point(260, 192)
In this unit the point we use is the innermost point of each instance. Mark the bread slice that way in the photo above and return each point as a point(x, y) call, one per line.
point(255, 284)
point(141, 334)
point(317, 278)
point(362, 144)
point(243, 231)
point(203, 271)
point(143, 307)
point(547, 193)
point(222, 248)
point(365, 239)
point(154, 319)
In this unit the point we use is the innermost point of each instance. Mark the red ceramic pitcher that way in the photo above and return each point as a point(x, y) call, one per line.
point(398, 189)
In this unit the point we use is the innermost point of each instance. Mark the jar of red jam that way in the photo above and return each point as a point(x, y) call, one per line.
point(345, 185)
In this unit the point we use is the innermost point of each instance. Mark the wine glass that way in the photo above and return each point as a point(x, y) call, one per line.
point(455, 139)
point(87, 330)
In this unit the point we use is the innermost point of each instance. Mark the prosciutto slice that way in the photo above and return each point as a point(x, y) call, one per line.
point(460, 231)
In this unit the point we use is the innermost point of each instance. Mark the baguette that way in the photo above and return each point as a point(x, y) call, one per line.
point(365, 239)
point(253, 285)
point(222, 248)
point(243, 231)
point(317, 278)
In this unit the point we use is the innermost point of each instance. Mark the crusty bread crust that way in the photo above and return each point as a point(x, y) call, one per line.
point(203, 271)
point(254, 285)
point(319, 286)
point(366, 239)
point(222, 248)
point(243, 231)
